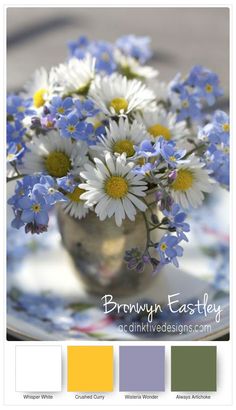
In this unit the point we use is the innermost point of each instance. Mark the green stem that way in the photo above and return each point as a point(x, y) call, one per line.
point(152, 203)
point(155, 227)
point(194, 150)
point(148, 232)
point(149, 205)
point(13, 164)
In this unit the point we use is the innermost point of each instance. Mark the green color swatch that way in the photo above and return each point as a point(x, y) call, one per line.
point(193, 368)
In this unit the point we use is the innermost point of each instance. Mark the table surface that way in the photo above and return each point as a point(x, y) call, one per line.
point(181, 37)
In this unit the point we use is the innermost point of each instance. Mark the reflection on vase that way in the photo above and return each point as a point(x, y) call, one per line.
point(97, 249)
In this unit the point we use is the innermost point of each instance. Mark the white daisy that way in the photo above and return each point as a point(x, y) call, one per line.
point(76, 75)
point(41, 87)
point(113, 188)
point(122, 137)
point(160, 89)
point(159, 123)
point(116, 95)
point(191, 181)
point(55, 155)
point(75, 206)
point(131, 68)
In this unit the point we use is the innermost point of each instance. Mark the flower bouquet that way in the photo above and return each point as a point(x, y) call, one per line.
point(100, 135)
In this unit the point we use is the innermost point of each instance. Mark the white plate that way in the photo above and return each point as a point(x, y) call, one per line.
point(46, 300)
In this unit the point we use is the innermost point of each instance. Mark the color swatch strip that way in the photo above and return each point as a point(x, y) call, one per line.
point(91, 368)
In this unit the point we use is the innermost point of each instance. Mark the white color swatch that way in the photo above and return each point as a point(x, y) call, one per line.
point(38, 368)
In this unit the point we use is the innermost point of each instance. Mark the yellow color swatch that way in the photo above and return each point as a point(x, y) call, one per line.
point(90, 368)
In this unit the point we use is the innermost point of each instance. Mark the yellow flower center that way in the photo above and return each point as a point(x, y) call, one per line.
point(119, 104)
point(116, 187)
point(127, 72)
point(172, 158)
point(71, 128)
point(83, 89)
point(225, 127)
point(10, 157)
point(158, 130)
point(105, 56)
point(183, 181)
point(75, 195)
point(49, 124)
point(185, 104)
point(208, 88)
point(140, 161)
point(38, 97)
point(124, 146)
point(36, 208)
point(97, 124)
point(61, 110)
point(163, 247)
point(21, 108)
point(57, 164)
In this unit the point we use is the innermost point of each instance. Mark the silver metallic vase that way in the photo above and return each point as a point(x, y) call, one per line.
point(98, 248)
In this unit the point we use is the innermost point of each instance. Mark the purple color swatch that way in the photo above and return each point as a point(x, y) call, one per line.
point(142, 368)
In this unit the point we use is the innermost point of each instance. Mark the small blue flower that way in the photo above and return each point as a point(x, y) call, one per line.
point(15, 131)
point(217, 159)
point(134, 259)
point(222, 126)
point(67, 183)
point(168, 249)
point(48, 189)
point(206, 83)
point(34, 209)
point(23, 189)
point(85, 109)
point(89, 135)
point(14, 151)
point(100, 130)
point(136, 47)
point(217, 131)
point(176, 219)
point(101, 50)
point(169, 152)
point(60, 106)
point(147, 149)
point(145, 168)
point(70, 127)
point(46, 122)
point(19, 107)
point(78, 45)
point(17, 223)
point(208, 133)
point(189, 106)
point(216, 135)
point(104, 54)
